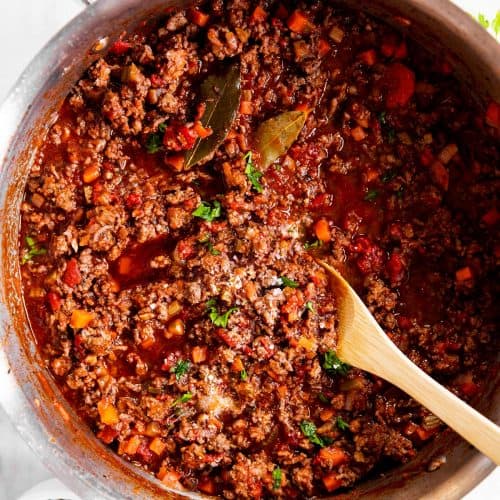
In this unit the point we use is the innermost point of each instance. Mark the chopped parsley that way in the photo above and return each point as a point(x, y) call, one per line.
point(162, 127)
point(313, 244)
point(210, 247)
point(310, 306)
point(309, 431)
point(208, 211)
point(342, 424)
point(391, 135)
point(181, 368)
point(243, 375)
point(371, 195)
point(483, 21)
point(33, 250)
point(154, 143)
point(277, 478)
point(388, 176)
point(287, 282)
point(215, 317)
point(381, 118)
point(323, 398)
point(183, 399)
point(252, 173)
point(333, 365)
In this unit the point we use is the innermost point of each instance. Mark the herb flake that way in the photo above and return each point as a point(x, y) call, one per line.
point(371, 195)
point(277, 478)
point(288, 283)
point(252, 173)
point(208, 211)
point(187, 396)
point(333, 365)
point(33, 250)
point(154, 143)
point(310, 432)
point(181, 368)
point(342, 424)
point(310, 307)
point(312, 245)
point(243, 375)
point(215, 317)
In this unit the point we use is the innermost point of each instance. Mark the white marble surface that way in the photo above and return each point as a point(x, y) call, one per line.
point(25, 26)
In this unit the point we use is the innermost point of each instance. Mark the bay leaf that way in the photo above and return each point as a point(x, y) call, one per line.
point(275, 136)
point(221, 93)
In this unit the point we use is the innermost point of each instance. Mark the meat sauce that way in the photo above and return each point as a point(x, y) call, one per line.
point(181, 309)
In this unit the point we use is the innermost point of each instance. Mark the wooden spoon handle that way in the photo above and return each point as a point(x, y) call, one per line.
point(463, 419)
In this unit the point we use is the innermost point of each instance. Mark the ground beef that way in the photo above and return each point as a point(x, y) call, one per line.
point(200, 347)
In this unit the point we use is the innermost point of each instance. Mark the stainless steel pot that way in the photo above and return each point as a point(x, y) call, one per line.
point(27, 392)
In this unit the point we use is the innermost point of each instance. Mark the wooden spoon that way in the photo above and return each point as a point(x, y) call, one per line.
point(363, 344)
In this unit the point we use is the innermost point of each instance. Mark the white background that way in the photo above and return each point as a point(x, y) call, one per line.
point(25, 26)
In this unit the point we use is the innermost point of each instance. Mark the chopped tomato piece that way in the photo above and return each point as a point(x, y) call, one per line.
point(491, 217)
point(299, 23)
point(246, 108)
point(107, 435)
point(54, 300)
point(72, 276)
point(493, 114)
point(323, 47)
point(201, 130)
point(120, 47)
point(198, 17)
point(400, 83)
point(259, 15)
point(133, 200)
point(369, 57)
point(175, 161)
point(464, 274)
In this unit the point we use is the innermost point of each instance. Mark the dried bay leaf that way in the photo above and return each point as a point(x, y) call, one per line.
point(275, 136)
point(221, 94)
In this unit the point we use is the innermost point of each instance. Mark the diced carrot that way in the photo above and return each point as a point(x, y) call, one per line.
point(91, 173)
point(107, 412)
point(331, 482)
point(303, 107)
point(132, 445)
point(125, 265)
point(306, 343)
point(491, 217)
point(148, 343)
point(440, 175)
point(114, 286)
point(246, 108)
point(358, 133)
point(259, 15)
point(80, 319)
point(198, 17)
point(400, 82)
point(201, 130)
point(282, 12)
point(282, 391)
point(493, 114)
point(447, 153)
point(207, 485)
point(175, 161)
point(369, 57)
point(463, 274)
point(237, 365)
point(157, 446)
point(323, 47)
point(299, 23)
point(372, 174)
point(333, 456)
point(199, 354)
point(322, 230)
point(169, 477)
point(326, 414)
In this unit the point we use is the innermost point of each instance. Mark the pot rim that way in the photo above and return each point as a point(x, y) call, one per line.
point(16, 110)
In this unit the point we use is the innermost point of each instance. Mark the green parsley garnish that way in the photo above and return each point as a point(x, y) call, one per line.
point(391, 135)
point(33, 250)
point(381, 118)
point(243, 375)
point(495, 24)
point(252, 173)
point(206, 241)
point(311, 245)
point(181, 368)
point(154, 143)
point(342, 424)
point(162, 127)
point(183, 399)
point(371, 195)
point(483, 21)
point(333, 365)
point(287, 282)
point(208, 211)
point(323, 398)
point(309, 431)
point(310, 307)
point(277, 478)
point(216, 318)
point(388, 176)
